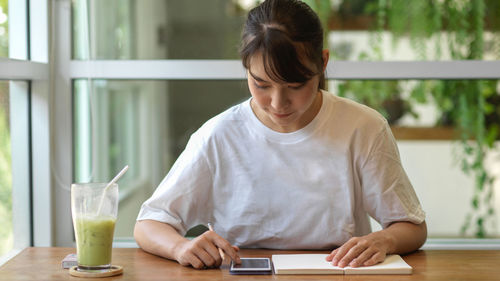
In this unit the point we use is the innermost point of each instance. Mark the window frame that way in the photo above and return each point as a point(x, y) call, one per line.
point(233, 69)
point(27, 69)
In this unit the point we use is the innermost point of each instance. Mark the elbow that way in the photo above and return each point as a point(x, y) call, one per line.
point(423, 233)
point(138, 233)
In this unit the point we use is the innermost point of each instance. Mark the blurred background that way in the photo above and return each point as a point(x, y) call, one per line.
point(446, 129)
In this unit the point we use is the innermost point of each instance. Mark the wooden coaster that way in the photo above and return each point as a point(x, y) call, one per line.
point(114, 270)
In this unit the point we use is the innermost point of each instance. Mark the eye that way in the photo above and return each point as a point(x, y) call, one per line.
point(260, 86)
point(296, 86)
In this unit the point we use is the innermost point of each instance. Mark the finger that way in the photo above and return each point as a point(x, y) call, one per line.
point(362, 258)
point(376, 258)
point(193, 260)
point(208, 242)
point(213, 251)
point(236, 248)
point(342, 251)
point(228, 249)
point(351, 254)
point(205, 257)
point(331, 255)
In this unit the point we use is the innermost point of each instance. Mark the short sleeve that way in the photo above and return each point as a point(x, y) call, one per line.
point(388, 195)
point(183, 199)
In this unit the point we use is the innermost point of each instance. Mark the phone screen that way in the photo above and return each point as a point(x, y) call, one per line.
point(252, 264)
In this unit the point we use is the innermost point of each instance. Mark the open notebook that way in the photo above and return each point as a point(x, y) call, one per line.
point(316, 264)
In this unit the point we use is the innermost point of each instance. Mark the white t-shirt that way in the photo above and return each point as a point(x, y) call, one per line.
point(309, 189)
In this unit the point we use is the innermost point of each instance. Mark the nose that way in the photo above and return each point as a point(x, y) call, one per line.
point(279, 100)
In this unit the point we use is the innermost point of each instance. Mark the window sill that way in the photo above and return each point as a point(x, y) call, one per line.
point(461, 244)
point(12, 253)
point(430, 244)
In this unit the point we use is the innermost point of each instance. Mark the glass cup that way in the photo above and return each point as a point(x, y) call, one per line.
point(94, 211)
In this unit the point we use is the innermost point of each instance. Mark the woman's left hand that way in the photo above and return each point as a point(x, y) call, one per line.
point(362, 251)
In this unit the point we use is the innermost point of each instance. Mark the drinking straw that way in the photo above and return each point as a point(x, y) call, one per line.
point(114, 180)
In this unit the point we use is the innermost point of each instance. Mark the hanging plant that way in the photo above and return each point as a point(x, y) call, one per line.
point(464, 103)
point(382, 95)
point(469, 106)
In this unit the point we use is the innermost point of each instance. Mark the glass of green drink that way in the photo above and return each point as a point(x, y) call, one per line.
point(94, 210)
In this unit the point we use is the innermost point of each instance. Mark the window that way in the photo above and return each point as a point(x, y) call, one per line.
point(143, 124)
point(25, 165)
point(6, 235)
point(146, 124)
point(356, 31)
point(15, 204)
point(434, 158)
point(402, 30)
point(152, 29)
point(15, 213)
point(145, 54)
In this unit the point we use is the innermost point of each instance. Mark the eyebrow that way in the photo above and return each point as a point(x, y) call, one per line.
point(256, 77)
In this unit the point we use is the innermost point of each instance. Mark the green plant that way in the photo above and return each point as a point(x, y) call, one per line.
point(464, 103)
point(382, 95)
point(470, 106)
point(322, 9)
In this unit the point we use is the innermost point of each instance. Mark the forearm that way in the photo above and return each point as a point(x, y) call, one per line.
point(405, 237)
point(158, 238)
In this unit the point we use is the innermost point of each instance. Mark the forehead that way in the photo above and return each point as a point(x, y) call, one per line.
point(256, 67)
point(262, 67)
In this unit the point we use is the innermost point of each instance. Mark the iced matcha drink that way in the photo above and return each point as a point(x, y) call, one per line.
point(94, 239)
point(94, 208)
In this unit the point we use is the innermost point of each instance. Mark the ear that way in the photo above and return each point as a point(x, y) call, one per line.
point(326, 56)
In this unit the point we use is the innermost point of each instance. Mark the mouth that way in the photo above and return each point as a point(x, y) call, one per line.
point(282, 115)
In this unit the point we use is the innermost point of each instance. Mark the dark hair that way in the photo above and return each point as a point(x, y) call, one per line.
point(288, 33)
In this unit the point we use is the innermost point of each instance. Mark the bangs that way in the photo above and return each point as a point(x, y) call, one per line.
point(280, 57)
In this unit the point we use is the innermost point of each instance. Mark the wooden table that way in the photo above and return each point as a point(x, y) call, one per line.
point(45, 264)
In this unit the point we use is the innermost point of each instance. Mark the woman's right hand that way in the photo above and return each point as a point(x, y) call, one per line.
point(202, 251)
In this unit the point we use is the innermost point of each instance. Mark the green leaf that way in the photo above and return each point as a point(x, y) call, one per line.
point(475, 203)
point(492, 135)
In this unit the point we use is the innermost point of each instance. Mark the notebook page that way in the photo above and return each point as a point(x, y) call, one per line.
point(316, 264)
point(393, 264)
point(304, 264)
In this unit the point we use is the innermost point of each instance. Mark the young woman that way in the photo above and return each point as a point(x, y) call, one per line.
point(293, 167)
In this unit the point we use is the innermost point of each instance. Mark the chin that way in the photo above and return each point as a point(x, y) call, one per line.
point(283, 122)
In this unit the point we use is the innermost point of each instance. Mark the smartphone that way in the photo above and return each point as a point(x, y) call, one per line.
point(250, 266)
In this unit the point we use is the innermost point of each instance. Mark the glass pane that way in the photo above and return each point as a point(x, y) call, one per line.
point(4, 28)
point(146, 124)
point(6, 231)
point(156, 29)
point(356, 30)
point(412, 30)
point(143, 124)
point(448, 134)
point(15, 214)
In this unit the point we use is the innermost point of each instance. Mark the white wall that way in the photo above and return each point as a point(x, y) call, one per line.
point(444, 190)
